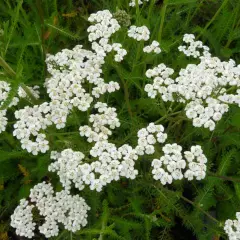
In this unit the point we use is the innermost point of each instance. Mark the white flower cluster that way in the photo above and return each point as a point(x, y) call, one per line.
point(170, 166)
point(112, 163)
point(196, 163)
point(140, 2)
point(71, 211)
point(192, 48)
point(162, 83)
point(139, 33)
point(4, 91)
point(104, 27)
point(232, 228)
point(153, 47)
point(203, 87)
point(104, 87)
point(3, 120)
point(172, 161)
point(70, 71)
point(206, 116)
point(107, 117)
point(31, 121)
point(66, 165)
point(149, 136)
point(231, 98)
point(117, 47)
point(22, 219)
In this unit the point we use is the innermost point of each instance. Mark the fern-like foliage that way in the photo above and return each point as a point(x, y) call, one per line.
point(140, 209)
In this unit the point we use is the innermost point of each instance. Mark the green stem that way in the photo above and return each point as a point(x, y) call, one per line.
point(234, 25)
point(39, 5)
point(167, 200)
point(113, 210)
point(126, 93)
point(176, 123)
point(64, 133)
point(162, 20)
point(13, 25)
point(7, 68)
point(139, 49)
point(231, 88)
point(104, 222)
point(226, 178)
point(166, 116)
point(137, 11)
point(28, 92)
point(9, 139)
point(61, 234)
point(195, 130)
point(12, 74)
point(213, 18)
point(150, 9)
point(194, 13)
point(198, 207)
point(101, 234)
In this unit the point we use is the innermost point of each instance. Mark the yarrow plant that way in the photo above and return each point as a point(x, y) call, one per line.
point(202, 87)
point(63, 208)
point(78, 81)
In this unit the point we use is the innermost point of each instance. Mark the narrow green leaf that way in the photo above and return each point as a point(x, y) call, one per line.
point(178, 2)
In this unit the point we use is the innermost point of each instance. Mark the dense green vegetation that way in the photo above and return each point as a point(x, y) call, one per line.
point(126, 209)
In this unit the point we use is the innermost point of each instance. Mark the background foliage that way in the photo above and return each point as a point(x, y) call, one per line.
point(139, 209)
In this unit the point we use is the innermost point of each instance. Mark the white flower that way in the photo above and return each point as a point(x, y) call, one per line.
point(105, 25)
point(196, 150)
point(132, 3)
point(151, 139)
point(232, 228)
point(170, 166)
point(142, 133)
point(201, 86)
point(189, 156)
point(139, 33)
point(149, 149)
point(197, 122)
point(161, 137)
point(71, 211)
point(22, 219)
point(154, 47)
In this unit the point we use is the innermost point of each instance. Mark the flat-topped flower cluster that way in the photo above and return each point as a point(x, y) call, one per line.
point(152, 48)
point(170, 166)
point(202, 87)
point(5, 88)
point(132, 3)
point(63, 208)
point(232, 228)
